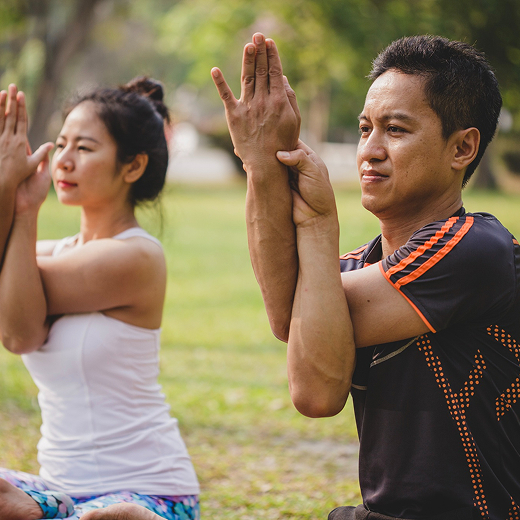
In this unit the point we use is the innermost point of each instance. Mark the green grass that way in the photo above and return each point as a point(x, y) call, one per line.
point(223, 373)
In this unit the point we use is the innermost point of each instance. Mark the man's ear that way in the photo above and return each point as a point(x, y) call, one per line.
point(466, 143)
point(134, 169)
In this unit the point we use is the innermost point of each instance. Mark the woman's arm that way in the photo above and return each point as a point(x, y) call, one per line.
point(24, 182)
point(123, 278)
point(23, 308)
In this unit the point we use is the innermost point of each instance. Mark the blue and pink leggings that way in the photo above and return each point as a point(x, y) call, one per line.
point(59, 505)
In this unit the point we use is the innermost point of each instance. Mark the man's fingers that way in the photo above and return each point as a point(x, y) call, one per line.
point(291, 96)
point(21, 119)
point(11, 109)
point(223, 88)
point(275, 66)
point(247, 80)
point(3, 103)
point(261, 65)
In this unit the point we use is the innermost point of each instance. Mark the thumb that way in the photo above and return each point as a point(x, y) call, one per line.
point(296, 158)
point(40, 154)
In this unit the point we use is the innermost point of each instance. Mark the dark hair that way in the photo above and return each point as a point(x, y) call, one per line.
point(460, 85)
point(134, 115)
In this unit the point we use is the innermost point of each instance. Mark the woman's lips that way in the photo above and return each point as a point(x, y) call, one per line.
point(65, 184)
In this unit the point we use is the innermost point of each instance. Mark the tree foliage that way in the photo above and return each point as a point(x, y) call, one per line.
point(52, 46)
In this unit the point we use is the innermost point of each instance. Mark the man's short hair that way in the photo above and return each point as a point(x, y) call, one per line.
point(460, 85)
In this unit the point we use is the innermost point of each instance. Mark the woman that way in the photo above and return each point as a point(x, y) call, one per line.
point(86, 311)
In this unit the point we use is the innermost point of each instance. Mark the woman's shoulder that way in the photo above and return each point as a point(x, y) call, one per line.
point(134, 232)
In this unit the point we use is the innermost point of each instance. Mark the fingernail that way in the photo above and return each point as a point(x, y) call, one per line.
point(283, 155)
point(259, 38)
point(250, 49)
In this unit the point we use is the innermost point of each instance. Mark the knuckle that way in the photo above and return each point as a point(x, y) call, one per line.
point(225, 95)
point(248, 79)
point(275, 71)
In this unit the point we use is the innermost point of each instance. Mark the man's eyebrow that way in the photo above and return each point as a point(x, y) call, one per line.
point(400, 116)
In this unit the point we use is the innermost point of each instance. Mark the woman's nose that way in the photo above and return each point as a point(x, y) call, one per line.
point(64, 161)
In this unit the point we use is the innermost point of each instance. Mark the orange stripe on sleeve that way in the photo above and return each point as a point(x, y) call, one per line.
point(356, 254)
point(415, 308)
point(422, 249)
point(439, 255)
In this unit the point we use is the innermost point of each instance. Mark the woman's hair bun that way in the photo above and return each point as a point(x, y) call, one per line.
point(151, 89)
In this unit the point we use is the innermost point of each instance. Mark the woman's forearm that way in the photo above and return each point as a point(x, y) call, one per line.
point(23, 309)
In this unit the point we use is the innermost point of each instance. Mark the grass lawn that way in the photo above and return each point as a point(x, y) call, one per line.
point(223, 372)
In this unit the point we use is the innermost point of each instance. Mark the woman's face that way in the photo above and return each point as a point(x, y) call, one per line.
point(84, 166)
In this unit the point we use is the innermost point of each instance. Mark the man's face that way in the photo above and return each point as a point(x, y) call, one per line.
point(403, 160)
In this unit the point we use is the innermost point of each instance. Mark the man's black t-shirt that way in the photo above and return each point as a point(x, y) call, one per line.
point(438, 415)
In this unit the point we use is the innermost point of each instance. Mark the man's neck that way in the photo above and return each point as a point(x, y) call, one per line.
point(395, 232)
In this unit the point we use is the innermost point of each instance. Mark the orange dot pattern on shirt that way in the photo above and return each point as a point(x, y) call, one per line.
point(514, 512)
point(511, 395)
point(457, 406)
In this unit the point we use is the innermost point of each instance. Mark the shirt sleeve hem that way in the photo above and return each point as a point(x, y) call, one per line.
point(415, 308)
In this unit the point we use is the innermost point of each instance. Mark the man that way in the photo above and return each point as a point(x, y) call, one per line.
point(422, 324)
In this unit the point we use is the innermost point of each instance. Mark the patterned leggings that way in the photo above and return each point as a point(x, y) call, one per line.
point(59, 505)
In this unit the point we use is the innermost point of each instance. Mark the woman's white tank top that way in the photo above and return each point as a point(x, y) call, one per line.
point(105, 423)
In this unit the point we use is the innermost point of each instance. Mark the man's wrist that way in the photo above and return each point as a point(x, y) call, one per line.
point(319, 226)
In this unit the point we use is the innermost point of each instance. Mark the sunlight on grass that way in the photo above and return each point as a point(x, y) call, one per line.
point(222, 371)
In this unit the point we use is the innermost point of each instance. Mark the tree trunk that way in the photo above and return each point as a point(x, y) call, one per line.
point(58, 53)
point(318, 118)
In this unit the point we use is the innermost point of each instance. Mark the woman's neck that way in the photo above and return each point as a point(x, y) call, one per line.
point(105, 222)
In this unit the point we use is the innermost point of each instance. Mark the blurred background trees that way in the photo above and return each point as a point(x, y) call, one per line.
point(50, 48)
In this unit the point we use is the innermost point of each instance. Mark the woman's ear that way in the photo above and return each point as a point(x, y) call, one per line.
point(466, 143)
point(134, 169)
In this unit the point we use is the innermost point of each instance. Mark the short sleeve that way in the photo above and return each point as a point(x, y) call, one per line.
point(457, 270)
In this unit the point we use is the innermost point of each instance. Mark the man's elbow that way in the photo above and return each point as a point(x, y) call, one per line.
point(315, 405)
point(281, 333)
point(280, 329)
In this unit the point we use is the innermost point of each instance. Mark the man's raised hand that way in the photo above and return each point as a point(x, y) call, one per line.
point(266, 118)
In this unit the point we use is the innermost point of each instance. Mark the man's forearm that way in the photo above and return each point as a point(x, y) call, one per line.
point(321, 349)
point(272, 243)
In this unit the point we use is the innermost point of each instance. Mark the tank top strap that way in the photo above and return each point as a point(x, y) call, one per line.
point(136, 232)
point(64, 242)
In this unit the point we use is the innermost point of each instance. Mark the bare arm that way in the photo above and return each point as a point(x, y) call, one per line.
point(23, 308)
point(321, 350)
point(264, 120)
point(24, 181)
point(333, 313)
point(123, 278)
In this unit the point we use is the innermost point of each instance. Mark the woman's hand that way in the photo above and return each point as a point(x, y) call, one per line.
point(17, 162)
point(33, 190)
